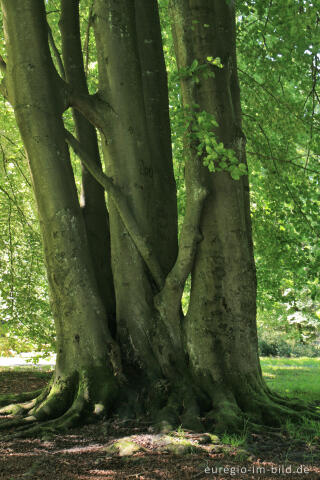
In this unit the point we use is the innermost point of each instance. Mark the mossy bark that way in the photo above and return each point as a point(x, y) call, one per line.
point(137, 152)
point(87, 356)
point(92, 202)
point(220, 326)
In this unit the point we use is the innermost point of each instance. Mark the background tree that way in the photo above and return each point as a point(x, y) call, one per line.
point(278, 52)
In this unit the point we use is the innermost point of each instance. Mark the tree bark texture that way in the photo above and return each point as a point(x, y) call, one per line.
point(138, 157)
point(220, 326)
point(85, 348)
point(93, 194)
point(202, 370)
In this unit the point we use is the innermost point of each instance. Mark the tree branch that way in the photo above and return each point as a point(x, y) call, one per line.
point(295, 200)
point(3, 86)
point(189, 239)
point(290, 162)
point(277, 99)
point(124, 211)
point(3, 65)
point(15, 202)
point(56, 53)
point(92, 107)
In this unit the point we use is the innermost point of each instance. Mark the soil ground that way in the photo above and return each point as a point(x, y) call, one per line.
point(87, 453)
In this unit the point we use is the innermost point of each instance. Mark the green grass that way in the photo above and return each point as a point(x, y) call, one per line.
point(296, 378)
point(235, 440)
point(293, 377)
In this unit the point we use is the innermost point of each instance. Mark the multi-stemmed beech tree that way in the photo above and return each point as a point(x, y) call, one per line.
point(116, 272)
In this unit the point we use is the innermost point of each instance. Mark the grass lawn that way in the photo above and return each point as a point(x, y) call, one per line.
point(293, 377)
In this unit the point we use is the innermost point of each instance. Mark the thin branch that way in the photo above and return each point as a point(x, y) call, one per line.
point(91, 107)
point(14, 201)
point(14, 159)
point(268, 15)
point(189, 239)
point(290, 162)
point(56, 53)
point(295, 201)
point(275, 98)
point(122, 206)
point(168, 301)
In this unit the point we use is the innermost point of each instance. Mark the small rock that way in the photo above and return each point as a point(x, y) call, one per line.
point(124, 448)
point(205, 439)
point(176, 448)
point(214, 438)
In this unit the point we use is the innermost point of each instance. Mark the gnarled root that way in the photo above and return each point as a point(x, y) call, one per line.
point(65, 403)
point(18, 397)
point(18, 409)
point(86, 395)
point(254, 407)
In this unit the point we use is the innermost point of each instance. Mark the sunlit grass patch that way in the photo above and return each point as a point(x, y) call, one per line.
point(293, 377)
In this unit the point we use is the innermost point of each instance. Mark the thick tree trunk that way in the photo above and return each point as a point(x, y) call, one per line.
point(220, 326)
point(138, 157)
point(178, 370)
point(87, 357)
point(93, 195)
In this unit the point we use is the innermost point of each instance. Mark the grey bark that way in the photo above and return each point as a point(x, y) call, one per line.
point(84, 343)
point(92, 196)
point(220, 327)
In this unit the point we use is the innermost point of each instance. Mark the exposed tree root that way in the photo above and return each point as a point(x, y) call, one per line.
point(167, 418)
point(23, 408)
point(16, 423)
point(63, 404)
point(18, 397)
point(181, 409)
point(81, 398)
point(295, 403)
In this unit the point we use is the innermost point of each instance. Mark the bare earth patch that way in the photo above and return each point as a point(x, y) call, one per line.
point(124, 450)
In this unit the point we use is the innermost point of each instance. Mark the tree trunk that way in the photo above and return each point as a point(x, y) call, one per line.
point(92, 196)
point(138, 157)
point(220, 326)
point(87, 357)
point(199, 371)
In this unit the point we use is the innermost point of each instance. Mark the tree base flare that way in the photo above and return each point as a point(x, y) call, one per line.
point(88, 395)
point(79, 398)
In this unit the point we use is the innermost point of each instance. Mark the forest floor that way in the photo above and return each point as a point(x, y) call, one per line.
point(121, 451)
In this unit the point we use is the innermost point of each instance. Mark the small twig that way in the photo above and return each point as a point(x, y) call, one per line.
point(13, 200)
point(285, 161)
point(295, 201)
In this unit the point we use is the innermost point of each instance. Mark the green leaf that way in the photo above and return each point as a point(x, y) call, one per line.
point(194, 65)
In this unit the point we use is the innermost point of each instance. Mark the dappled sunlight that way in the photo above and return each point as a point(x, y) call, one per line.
point(293, 376)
